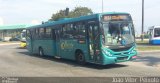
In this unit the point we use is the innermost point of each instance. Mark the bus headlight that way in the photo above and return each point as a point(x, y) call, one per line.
point(132, 51)
point(107, 53)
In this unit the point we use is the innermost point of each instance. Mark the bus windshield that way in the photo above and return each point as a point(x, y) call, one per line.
point(117, 34)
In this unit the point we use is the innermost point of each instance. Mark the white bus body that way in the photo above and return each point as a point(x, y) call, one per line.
point(154, 35)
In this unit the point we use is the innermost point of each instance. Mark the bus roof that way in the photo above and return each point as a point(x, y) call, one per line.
point(68, 20)
point(114, 13)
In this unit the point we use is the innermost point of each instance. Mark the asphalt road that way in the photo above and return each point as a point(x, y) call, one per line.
point(18, 62)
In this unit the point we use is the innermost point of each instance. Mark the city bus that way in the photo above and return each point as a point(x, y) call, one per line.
point(154, 35)
point(104, 38)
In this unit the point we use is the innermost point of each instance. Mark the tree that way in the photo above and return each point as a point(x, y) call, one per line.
point(78, 11)
point(58, 15)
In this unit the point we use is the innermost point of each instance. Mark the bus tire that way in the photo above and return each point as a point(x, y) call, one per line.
point(41, 53)
point(80, 58)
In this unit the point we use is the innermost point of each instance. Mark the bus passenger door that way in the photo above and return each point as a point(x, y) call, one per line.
point(56, 36)
point(93, 40)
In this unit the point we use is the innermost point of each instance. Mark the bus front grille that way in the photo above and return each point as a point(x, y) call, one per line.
point(121, 49)
point(122, 58)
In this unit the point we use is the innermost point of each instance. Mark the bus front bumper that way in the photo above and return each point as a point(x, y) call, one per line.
point(118, 58)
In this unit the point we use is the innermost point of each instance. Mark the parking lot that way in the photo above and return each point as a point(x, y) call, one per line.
point(18, 62)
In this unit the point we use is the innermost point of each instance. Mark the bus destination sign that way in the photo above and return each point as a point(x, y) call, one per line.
point(116, 18)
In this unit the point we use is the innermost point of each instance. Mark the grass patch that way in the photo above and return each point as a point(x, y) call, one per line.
point(145, 46)
point(142, 42)
point(148, 48)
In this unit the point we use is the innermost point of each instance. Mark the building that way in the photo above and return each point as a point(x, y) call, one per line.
point(11, 31)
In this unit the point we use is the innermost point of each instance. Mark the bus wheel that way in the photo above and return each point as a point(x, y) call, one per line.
point(80, 58)
point(41, 52)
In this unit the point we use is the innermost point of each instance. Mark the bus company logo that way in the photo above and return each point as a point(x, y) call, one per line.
point(66, 45)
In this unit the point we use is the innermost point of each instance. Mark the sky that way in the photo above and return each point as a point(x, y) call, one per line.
point(36, 11)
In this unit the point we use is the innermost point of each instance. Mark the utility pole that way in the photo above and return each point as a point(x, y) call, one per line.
point(142, 33)
point(102, 6)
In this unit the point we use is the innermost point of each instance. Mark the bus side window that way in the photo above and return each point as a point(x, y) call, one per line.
point(75, 30)
point(48, 32)
point(80, 30)
point(156, 32)
point(64, 33)
point(33, 33)
point(36, 35)
point(68, 31)
point(41, 33)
